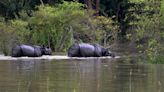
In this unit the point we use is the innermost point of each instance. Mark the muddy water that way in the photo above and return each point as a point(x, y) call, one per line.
point(86, 75)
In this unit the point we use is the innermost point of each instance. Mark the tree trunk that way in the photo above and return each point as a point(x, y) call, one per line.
point(89, 4)
point(97, 7)
point(41, 2)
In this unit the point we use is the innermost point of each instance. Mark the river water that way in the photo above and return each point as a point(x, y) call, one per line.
point(86, 75)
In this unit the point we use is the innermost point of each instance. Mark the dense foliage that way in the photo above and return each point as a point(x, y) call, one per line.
point(57, 27)
point(146, 28)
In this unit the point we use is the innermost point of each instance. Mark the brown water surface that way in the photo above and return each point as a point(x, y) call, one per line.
point(86, 75)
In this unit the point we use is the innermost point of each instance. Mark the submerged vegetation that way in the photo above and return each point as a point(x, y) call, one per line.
point(59, 23)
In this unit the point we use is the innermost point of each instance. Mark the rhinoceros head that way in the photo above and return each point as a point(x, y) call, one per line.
point(46, 50)
point(106, 52)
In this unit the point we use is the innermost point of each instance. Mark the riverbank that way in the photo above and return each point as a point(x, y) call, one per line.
point(53, 57)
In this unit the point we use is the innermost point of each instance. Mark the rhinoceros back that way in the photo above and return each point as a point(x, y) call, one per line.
point(26, 50)
point(86, 50)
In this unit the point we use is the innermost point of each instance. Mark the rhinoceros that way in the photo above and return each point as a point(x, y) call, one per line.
point(30, 51)
point(88, 50)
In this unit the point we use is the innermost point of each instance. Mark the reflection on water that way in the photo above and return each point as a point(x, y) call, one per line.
point(80, 76)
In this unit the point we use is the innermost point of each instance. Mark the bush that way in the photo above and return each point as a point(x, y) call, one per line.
point(147, 32)
point(7, 35)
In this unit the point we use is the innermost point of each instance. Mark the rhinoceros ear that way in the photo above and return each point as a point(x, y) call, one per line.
point(48, 47)
point(43, 46)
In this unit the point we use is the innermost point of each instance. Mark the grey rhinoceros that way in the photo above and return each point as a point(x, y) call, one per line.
point(88, 50)
point(30, 51)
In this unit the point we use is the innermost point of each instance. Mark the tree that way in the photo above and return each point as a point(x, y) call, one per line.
point(11, 8)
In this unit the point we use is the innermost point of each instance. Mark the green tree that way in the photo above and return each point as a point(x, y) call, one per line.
point(11, 8)
point(146, 28)
point(117, 10)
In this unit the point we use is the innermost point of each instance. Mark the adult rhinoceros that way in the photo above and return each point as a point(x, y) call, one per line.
point(30, 51)
point(88, 50)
